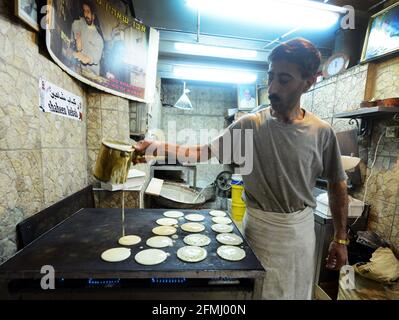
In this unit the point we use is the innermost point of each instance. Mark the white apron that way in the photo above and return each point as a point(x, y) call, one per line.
point(285, 245)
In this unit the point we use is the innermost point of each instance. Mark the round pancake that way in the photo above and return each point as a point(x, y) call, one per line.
point(231, 253)
point(198, 240)
point(221, 220)
point(194, 217)
point(159, 242)
point(116, 254)
point(217, 213)
point(167, 221)
point(150, 257)
point(193, 227)
point(173, 214)
point(164, 230)
point(129, 240)
point(229, 239)
point(222, 228)
point(191, 254)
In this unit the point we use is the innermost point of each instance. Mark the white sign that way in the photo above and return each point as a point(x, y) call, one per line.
point(56, 100)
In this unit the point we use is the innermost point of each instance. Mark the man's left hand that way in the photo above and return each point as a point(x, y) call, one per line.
point(337, 256)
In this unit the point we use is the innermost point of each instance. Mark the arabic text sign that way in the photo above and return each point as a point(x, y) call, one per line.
point(56, 100)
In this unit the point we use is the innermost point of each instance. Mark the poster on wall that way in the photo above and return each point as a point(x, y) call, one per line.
point(56, 100)
point(101, 44)
point(27, 11)
point(382, 36)
point(246, 97)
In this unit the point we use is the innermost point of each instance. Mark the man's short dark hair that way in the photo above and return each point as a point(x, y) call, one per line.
point(90, 4)
point(300, 52)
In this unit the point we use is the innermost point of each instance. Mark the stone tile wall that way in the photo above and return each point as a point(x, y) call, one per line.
point(344, 93)
point(210, 104)
point(107, 118)
point(43, 157)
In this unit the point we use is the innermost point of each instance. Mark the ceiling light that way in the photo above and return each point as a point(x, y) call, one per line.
point(213, 51)
point(286, 13)
point(214, 75)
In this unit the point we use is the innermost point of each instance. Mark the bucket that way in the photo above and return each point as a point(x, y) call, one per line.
point(237, 205)
point(237, 187)
point(113, 162)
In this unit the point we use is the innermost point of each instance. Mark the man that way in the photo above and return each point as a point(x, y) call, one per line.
point(291, 148)
point(88, 40)
point(248, 102)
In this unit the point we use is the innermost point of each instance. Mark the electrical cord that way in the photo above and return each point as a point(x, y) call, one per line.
point(371, 173)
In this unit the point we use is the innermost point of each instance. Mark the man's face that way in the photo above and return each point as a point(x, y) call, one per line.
point(286, 85)
point(89, 16)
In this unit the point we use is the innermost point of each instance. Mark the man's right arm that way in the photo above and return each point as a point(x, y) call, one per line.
point(223, 147)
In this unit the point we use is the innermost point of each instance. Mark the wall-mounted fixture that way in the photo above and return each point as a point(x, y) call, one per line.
point(184, 102)
point(214, 51)
point(287, 13)
point(214, 74)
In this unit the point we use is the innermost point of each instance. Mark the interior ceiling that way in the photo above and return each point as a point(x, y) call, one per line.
point(178, 23)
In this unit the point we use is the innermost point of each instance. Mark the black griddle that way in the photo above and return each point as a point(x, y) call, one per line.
point(74, 248)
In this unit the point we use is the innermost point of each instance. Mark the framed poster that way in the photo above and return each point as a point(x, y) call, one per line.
point(382, 36)
point(247, 98)
point(26, 10)
point(102, 45)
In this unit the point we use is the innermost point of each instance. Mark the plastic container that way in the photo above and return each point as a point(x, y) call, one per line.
point(355, 207)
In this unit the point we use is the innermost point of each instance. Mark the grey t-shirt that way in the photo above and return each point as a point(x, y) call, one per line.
point(287, 159)
point(92, 43)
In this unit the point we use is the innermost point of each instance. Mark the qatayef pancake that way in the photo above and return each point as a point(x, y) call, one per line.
point(193, 227)
point(159, 242)
point(191, 254)
point(217, 213)
point(150, 257)
point(164, 230)
point(116, 254)
point(222, 228)
point(198, 240)
point(221, 220)
point(167, 221)
point(194, 217)
point(229, 239)
point(231, 253)
point(129, 240)
point(173, 214)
